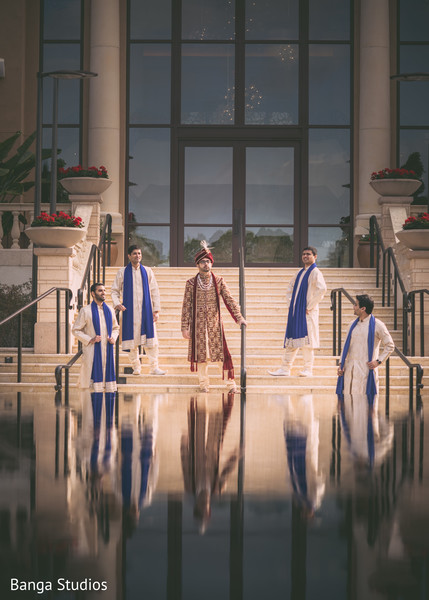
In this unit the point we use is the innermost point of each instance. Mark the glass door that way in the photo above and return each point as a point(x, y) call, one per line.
point(223, 186)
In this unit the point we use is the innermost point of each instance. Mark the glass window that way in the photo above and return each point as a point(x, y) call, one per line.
point(218, 238)
point(272, 19)
point(150, 83)
point(61, 20)
point(208, 84)
point(149, 173)
point(329, 176)
point(60, 57)
point(269, 185)
point(150, 20)
point(414, 140)
point(208, 185)
point(68, 143)
point(329, 84)
point(269, 245)
point(332, 245)
point(271, 93)
point(154, 242)
point(413, 21)
point(414, 95)
point(208, 19)
point(329, 20)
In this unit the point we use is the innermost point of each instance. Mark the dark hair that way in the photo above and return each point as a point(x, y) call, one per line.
point(366, 302)
point(94, 286)
point(311, 248)
point(132, 248)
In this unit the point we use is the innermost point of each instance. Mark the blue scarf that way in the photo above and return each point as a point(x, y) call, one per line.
point(97, 364)
point(296, 328)
point(147, 329)
point(371, 388)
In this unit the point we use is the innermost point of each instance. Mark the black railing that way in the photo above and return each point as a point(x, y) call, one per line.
point(336, 307)
point(59, 375)
point(19, 313)
point(391, 279)
point(242, 299)
point(412, 303)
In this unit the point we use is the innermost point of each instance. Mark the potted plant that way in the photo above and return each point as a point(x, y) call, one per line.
point(363, 250)
point(84, 181)
point(415, 232)
point(395, 182)
point(58, 230)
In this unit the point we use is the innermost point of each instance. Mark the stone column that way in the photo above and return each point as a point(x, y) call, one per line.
point(104, 101)
point(374, 105)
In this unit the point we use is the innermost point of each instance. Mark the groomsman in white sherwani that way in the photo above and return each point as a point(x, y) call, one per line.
point(135, 293)
point(304, 293)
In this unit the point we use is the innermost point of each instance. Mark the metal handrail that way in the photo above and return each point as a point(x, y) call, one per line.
point(412, 301)
point(242, 297)
point(389, 260)
point(336, 308)
point(18, 313)
point(59, 374)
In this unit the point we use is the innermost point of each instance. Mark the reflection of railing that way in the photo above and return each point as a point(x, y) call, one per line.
point(18, 313)
point(242, 287)
point(336, 307)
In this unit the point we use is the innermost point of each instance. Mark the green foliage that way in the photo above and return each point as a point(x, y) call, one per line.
point(12, 298)
point(15, 169)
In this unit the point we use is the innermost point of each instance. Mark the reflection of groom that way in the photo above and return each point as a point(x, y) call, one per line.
point(203, 474)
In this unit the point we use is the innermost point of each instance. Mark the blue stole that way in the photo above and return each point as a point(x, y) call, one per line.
point(97, 364)
point(147, 328)
point(296, 328)
point(371, 388)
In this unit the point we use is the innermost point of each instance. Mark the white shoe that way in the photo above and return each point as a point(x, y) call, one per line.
point(157, 371)
point(306, 373)
point(280, 373)
point(137, 372)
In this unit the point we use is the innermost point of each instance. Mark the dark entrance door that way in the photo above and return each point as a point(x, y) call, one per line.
point(220, 182)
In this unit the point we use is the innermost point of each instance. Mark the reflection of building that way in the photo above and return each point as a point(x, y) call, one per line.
point(253, 108)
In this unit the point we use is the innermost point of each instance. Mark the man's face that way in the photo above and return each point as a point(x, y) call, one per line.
point(135, 257)
point(204, 266)
point(308, 258)
point(359, 312)
point(100, 294)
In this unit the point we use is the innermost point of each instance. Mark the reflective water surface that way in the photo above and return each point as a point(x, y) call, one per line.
point(212, 496)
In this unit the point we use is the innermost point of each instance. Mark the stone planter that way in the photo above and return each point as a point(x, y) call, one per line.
point(395, 187)
point(415, 239)
point(55, 237)
point(363, 254)
point(85, 186)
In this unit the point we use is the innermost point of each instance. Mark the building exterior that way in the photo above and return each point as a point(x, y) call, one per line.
point(216, 117)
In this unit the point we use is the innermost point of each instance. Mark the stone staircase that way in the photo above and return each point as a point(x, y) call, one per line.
point(266, 316)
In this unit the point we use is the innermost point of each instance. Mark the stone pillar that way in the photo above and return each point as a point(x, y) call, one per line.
point(374, 105)
point(104, 101)
point(55, 269)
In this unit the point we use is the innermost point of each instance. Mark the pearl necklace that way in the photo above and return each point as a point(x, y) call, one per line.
point(202, 285)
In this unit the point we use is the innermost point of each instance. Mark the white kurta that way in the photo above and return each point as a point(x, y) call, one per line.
point(83, 330)
point(315, 292)
point(117, 293)
point(355, 368)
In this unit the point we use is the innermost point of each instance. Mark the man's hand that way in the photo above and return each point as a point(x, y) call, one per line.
point(155, 316)
point(186, 334)
point(95, 339)
point(340, 371)
point(373, 364)
point(111, 340)
point(242, 322)
point(120, 307)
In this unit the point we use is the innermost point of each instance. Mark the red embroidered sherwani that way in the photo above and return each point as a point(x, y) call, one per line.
point(208, 332)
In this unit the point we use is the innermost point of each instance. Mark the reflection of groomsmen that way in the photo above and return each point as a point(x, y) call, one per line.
point(301, 431)
point(201, 449)
point(139, 464)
